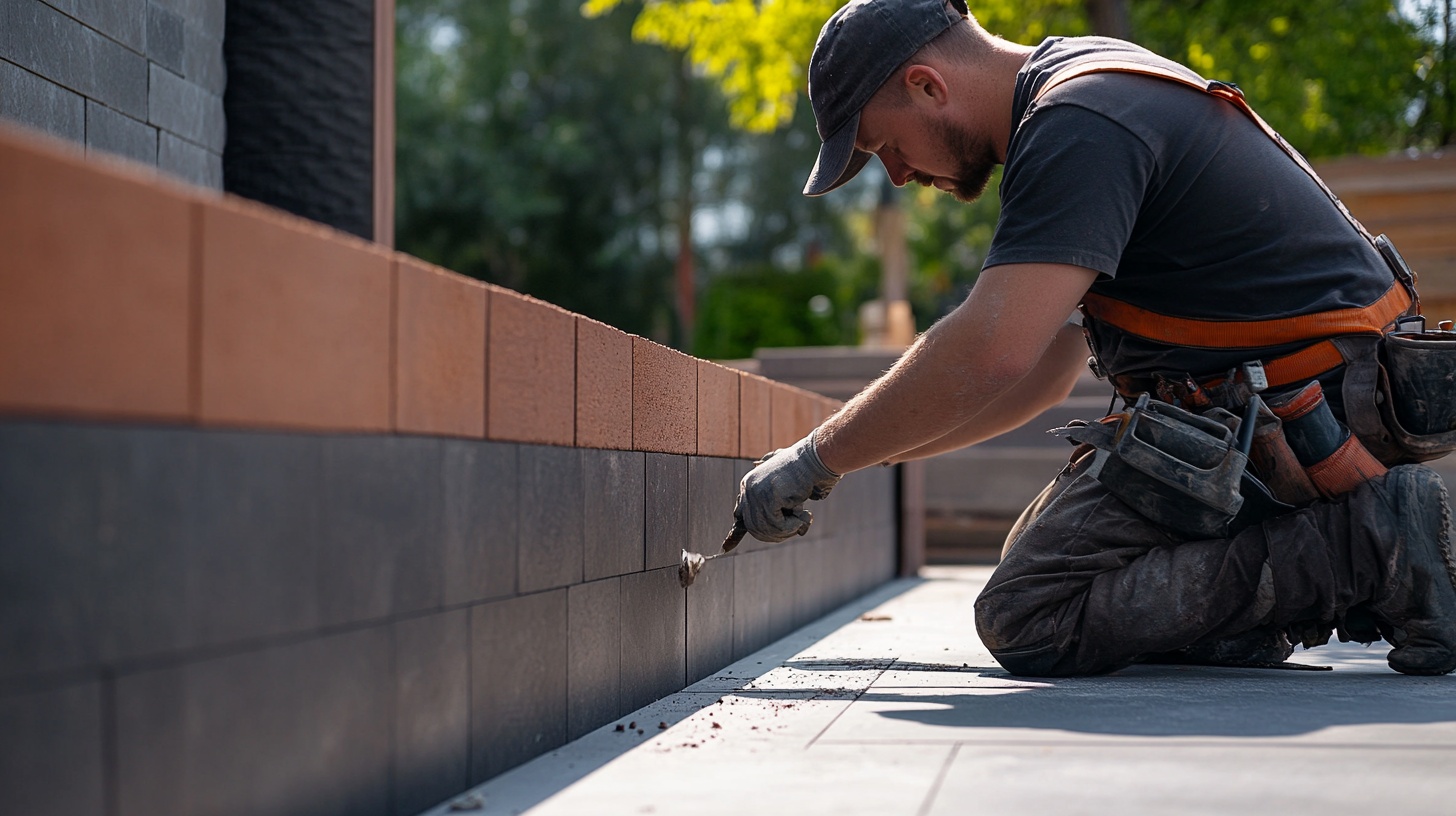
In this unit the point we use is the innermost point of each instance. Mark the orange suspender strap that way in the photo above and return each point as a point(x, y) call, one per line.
point(1301, 365)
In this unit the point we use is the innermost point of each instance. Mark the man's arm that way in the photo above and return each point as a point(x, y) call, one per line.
point(961, 367)
point(1045, 387)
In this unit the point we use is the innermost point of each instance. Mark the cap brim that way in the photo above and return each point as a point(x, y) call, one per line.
point(838, 161)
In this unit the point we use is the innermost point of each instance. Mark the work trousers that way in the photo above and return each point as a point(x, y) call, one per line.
point(1087, 585)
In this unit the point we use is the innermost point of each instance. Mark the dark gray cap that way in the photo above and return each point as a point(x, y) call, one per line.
point(858, 49)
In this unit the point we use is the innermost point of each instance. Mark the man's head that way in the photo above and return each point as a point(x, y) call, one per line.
point(864, 44)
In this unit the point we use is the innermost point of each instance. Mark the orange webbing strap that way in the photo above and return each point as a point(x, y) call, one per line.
point(1232, 334)
point(1221, 90)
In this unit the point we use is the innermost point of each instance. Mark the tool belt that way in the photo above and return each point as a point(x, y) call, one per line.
point(1399, 380)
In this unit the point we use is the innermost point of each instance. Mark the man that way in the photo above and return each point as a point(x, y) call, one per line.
point(1207, 260)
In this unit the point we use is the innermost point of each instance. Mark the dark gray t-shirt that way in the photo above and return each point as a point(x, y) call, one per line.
point(1181, 202)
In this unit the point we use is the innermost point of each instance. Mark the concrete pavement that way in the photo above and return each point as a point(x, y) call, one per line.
point(891, 706)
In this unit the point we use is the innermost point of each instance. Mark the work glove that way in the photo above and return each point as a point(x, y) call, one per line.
point(771, 497)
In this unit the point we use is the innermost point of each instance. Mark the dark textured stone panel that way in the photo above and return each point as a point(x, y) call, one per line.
point(783, 593)
point(813, 578)
point(712, 494)
point(202, 62)
point(39, 103)
point(381, 550)
point(51, 752)
point(710, 619)
point(654, 637)
point(752, 602)
point(166, 37)
point(481, 535)
point(552, 504)
point(432, 710)
point(252, 567)
point(667, 509)
point(49, 519)
point(185, 109)
point(122, 20)
point(302, 728)
point(518, 691)
point(207, 16)
point(94, 540)
point(594, 655)
point(109, 131)
point(615, 508)
point(188, 162)
point(300, 108)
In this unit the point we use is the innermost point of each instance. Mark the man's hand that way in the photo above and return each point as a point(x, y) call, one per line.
point(771, 497)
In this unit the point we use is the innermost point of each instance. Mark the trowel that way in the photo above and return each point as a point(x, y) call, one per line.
point(693, 563)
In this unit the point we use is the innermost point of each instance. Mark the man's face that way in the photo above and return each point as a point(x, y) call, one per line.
point(933, 152)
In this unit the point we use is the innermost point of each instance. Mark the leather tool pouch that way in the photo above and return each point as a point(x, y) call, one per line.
point(1177, 469)
point(1417, 392)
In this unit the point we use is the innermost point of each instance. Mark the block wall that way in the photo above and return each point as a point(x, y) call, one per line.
point(293, 524)
point(141, 79)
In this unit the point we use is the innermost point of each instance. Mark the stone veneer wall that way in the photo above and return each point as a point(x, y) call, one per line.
point(293, 524)
point(143, 79)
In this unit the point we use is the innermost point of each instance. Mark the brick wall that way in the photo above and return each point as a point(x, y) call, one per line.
point(141, 79)
point(291, 523)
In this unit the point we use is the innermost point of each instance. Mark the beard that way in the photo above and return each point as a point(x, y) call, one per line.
point(976, 161)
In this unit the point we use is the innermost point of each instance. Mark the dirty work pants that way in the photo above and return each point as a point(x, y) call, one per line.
point(1087, 585)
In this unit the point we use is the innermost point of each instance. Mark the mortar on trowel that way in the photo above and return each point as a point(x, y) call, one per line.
point(692, 563)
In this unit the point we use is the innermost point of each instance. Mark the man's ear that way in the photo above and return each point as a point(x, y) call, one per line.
point(926, 85)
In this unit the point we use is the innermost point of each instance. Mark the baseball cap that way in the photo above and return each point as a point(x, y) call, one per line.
point(858, 49)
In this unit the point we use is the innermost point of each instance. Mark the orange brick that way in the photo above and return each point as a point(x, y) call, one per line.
point(792, 415)
point(664, 399)
point(439, 357)
point(95, 288)
point(603, 386)
point(754, 429)
point(295, 323)
point(531, 369)
point(717, 410)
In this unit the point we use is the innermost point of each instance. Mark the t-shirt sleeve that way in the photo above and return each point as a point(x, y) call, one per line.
point(1072, 192)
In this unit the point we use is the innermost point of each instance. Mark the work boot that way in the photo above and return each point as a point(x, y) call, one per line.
point(1418, 594)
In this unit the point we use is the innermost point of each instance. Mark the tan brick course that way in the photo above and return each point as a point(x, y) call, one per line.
point(439, 357)
point(603, 386)
point(532, 371)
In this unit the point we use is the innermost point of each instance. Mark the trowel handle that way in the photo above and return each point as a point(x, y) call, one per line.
point(734, 536)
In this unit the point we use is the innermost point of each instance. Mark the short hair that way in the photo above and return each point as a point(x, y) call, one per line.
point(963, 44)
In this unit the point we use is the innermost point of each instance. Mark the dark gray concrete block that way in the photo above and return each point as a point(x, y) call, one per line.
point(301, 728)
point(253, 564)
point(654, 637)
point(111, 132)
point(667, 509)
point(50, 614)
point(615, 484)
point(202, 61)
point(518, 687)
point(122, 20)
point(783, 593)
point(184, 109)
point(712, 494)
point(551, 508)
point(187, 161)
point(207, 16)
point(111, 75)
point(594, 655)
point(166, 35)
point(752, 602)
point(39, 103)
point(381, 549)
point(710, 619)
point(51, 752)
point(481, 534)
point(813, 578)
point(431, 711)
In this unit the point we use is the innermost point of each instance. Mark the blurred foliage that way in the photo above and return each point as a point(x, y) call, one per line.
point(540, 144)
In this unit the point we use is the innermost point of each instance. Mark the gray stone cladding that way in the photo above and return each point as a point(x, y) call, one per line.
point(139, 79)
point(206, 621)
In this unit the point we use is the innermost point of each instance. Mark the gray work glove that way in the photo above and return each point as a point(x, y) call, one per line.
point(771, 497)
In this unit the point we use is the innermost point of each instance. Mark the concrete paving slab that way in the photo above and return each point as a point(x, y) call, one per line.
point(891, 705)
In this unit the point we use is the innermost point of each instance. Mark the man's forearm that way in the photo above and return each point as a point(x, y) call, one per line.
point(1045, 387)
